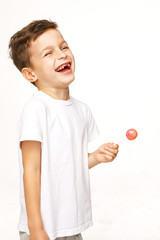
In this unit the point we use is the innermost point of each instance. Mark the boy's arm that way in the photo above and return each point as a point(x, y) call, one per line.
point(31, 155)
point(107, 152)
point(92, 160)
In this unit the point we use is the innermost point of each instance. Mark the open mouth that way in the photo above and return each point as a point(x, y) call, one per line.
point(64, 68)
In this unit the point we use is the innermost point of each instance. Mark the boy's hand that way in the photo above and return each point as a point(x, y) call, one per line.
point(38, 235)
point(106, 152)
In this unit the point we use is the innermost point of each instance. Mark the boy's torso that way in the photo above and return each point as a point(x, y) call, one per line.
point(62, 128)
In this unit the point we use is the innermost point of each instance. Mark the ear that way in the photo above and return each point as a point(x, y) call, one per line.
point(29, 75)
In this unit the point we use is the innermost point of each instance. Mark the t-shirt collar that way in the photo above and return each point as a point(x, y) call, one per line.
point(56, 101)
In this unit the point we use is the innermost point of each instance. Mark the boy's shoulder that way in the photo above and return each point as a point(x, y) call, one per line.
point(80, 103)
point(31, 112)
point(83, 106)
point(34, 107)
point(33, 103)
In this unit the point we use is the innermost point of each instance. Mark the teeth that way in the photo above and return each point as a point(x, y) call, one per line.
point(62, 67)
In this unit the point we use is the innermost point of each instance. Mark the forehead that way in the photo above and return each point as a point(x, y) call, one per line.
point(50, 37)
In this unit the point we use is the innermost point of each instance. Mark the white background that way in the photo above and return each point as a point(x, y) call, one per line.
point(116, 45)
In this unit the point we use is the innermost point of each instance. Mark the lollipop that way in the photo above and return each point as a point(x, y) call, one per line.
point(131, 134)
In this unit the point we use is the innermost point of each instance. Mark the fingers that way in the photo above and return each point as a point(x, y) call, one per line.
point(114, 145)
point(109, 156)
point(112, 150)
point(108, 153)
point(111, 145)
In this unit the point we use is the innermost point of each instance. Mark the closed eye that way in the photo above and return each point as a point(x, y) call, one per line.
point(65, 48)
point(48, 53)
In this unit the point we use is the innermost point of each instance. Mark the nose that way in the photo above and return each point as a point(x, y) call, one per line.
point(60, 54)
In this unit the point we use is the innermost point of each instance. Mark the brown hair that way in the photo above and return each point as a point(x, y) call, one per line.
point(20, 42)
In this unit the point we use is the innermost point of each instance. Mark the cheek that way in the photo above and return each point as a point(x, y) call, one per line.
point(46, 68)
point(48, 64)
point(71, 55)
point(73, 59)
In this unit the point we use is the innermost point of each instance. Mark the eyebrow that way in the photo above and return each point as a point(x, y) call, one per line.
point(50, 46)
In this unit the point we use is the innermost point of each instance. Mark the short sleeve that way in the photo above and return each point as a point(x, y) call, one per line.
point(30, 124)
point(93, 131)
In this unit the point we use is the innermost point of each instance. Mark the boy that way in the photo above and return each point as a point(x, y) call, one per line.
point(54, 130)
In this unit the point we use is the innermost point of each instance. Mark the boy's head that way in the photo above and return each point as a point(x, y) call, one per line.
point(38, 50)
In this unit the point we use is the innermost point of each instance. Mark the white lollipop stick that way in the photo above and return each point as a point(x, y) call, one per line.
point(120, 141)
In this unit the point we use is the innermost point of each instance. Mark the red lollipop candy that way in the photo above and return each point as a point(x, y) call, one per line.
point(131, 134)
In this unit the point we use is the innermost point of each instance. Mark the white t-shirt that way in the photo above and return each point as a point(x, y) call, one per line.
point(64, 127)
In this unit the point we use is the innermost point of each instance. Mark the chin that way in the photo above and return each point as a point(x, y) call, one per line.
point(70, 79)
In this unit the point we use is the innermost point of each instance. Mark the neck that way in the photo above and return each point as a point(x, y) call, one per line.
point(59, 94)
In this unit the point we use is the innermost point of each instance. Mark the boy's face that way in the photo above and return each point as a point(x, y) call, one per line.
point(47, 53)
